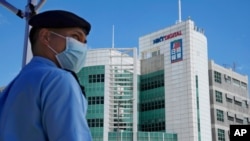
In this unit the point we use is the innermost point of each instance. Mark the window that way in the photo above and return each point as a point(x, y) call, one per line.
point(246, 103)
point(238, 103)
point(153, 126)
point(96, 78)
point(152, 105)
point(217, 77)
point(227, 78)
point(152, 82)
point(95, 100)
point(245, 120)
point(236, 82)
point(221, 135)
point(230, 118)
point(95, 122)
point(155, 53)
point(248, 120)
point(220, 115)
point(244, 85)
point(229, 100)
point(218, 96)
point(238, 120)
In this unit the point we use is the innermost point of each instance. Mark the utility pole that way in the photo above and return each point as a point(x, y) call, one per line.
point(30, 10)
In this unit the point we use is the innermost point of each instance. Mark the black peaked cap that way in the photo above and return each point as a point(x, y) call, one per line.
point(59, 19)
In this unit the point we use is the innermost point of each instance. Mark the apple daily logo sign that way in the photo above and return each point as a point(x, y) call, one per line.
point(176, 51)
point(239, 132)
point(166, 37)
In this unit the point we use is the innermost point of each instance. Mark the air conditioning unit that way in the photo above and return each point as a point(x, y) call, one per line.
point(225, 76)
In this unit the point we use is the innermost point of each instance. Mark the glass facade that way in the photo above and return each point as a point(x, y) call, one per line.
point(94, 87)
point(152, 102)
point(156, 136)
point(120, 106)
point(120, 136)
point(122, 99)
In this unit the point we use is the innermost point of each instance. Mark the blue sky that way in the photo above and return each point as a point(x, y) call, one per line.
point(226, 24)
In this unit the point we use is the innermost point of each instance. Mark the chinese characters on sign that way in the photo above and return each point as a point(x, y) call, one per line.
point(176, 51)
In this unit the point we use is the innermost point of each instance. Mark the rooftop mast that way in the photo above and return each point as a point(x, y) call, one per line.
point(179, 9)
point(113, 37)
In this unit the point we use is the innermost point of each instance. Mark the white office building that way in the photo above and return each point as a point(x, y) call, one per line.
point(182, 50)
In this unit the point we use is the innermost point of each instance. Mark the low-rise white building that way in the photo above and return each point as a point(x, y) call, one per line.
point(229, 100)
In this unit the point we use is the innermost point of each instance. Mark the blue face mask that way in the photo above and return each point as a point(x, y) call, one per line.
point(74, 56)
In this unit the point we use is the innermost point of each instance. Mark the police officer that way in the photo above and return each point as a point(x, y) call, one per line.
point(44, 102)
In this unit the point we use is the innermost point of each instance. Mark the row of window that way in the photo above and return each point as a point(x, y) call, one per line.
point(98, 122)
point(124, 81)
point(121, 125)
point(219, 98)
point(228, 79)
point(153, 78)
point(152, 85)
point(96, 78)
point(152, 82)
point(220, 117)
point(152, 105)
point(149, 127)
point(95, 100)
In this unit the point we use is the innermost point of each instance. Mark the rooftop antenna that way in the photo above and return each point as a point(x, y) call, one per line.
point(113, 36)
point(234, 66)
point(179, 10)
point(30, 9)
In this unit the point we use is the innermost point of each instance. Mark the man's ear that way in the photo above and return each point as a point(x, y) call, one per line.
point(44, 36)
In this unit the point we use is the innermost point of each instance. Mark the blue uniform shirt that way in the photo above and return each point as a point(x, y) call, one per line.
point(43, 103)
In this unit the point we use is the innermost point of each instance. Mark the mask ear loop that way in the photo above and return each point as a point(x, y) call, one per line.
point(57, 35)
point(52, 49)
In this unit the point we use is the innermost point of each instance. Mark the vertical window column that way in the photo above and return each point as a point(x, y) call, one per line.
point(221, 135)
